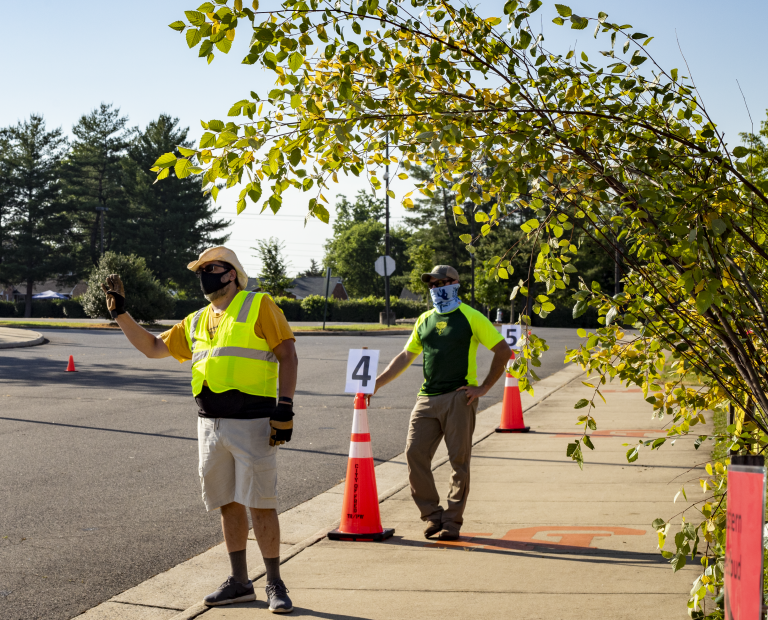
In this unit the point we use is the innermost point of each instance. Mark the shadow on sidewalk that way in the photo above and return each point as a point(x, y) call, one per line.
point(536, 549)
point(300, 612)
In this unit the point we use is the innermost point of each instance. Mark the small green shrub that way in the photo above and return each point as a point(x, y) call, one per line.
point(291, 308)
point(312, 308)
point(8, 309)
point(145, 298)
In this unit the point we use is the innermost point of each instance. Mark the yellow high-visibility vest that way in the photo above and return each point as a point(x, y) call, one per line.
point(235, 358)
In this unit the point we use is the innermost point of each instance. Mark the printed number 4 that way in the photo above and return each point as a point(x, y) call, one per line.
point(365, 376)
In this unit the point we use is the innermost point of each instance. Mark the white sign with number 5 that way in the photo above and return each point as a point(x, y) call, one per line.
point(511, 334)
point(362, 368)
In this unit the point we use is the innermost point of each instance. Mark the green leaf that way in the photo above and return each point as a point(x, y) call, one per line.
point(177, 26)
point(579, 23)
point(181, 168)
point(559, 21)
point(206, 7)
point(162, 174)
point(719, 226)
point(533, 6)
point(215, 193)
point(740, 152)
point(466, 238)
point(581, 332)
point(503, 274)
point(193, 37)
point(224, 45)
point(704, 301)
point(208, 140)
point(510, 7)
point(195, 18)
point(579, 309)
point(165, 161)
point(619, 69)
point(345, 90)
point(548, 306)
point(563, 11)
point(321, 213)
point(186, 152)
point(581, 404)
point(205, 49)
point(658, 524)
point(632, 455)
point(295, 61)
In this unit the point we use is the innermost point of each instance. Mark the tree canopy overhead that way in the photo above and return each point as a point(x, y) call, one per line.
point(615, 149)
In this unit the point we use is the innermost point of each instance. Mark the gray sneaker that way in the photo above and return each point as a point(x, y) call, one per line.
point(277, 594)
point(229, 592)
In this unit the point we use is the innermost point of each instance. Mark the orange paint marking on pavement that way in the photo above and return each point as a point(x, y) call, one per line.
point(568, 537)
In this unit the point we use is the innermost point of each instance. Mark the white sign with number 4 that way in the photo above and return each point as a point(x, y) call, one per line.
point(362, 368)
point(511, 334)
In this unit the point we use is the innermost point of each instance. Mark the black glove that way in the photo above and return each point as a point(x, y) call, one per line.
point(115, 292)
point(281, 422)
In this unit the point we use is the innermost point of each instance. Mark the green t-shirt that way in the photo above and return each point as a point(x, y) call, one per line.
point(449, 342)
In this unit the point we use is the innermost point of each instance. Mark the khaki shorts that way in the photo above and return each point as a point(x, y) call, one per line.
point(237, 464)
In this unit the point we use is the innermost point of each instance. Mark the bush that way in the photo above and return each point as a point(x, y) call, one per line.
point(145, 298)
point(184, 307)
point(291, 308)
point(312, 308)
point(7, 308)
point(71, 308)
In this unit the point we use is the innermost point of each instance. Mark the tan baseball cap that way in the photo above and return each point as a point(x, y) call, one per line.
point(224, 255)
point(441, 272)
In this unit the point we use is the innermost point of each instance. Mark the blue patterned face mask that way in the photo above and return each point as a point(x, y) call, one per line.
point(446, 298)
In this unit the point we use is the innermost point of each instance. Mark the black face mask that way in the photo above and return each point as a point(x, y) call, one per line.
point(211, 282)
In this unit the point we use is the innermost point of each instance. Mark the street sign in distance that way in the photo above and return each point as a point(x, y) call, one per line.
point(362, 368)
point(382, 263)
point(512, 334)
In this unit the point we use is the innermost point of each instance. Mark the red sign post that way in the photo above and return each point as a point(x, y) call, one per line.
point(744, 538)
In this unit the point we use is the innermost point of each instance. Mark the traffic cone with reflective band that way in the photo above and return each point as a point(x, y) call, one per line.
point(511, 407)
point(71, 365)
point(360, 519)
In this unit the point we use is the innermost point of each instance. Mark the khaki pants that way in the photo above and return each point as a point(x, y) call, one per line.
point(432, 419)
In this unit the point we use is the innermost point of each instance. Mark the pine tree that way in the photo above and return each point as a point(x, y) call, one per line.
point(274, 267)
point(94, 177)
point(170, 222)
point(38, 237)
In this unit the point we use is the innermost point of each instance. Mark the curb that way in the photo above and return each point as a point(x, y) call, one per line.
point(199, 608)
point(377, 332)
point(24, 343)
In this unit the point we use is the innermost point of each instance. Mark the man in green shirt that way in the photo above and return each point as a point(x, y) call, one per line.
point(447, 403)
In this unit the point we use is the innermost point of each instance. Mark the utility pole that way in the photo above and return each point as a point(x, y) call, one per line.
point(386, 230)
point(102, 214)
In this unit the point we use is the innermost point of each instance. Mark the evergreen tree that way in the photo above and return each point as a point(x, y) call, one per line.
point(274, 268)
point(94, 177)
point(171, 222)
point(315, 270)
point(38, 237)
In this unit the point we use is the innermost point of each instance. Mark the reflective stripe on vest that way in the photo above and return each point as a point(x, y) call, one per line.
point(235, 358)
point(251, 354)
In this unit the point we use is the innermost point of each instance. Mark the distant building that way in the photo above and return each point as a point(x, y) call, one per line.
point(18, 292)
point(304, 287)
point(410, 295)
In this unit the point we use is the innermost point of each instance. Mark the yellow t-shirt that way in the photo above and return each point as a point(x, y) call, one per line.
point(271, 326)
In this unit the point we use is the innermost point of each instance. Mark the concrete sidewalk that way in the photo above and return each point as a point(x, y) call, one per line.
point(12, 338)
point(541, 538)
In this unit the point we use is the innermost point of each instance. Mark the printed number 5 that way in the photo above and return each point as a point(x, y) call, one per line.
point(511, 338)
point(365, 376)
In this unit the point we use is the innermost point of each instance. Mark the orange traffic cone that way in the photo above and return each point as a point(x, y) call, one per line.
point(511, 407)
point(360, 519)
point(71, 365)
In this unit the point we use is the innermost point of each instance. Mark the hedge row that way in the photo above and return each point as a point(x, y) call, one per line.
point(365, 310)
point(45, 308)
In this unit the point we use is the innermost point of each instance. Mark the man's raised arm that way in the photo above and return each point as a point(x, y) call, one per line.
point(148, 344)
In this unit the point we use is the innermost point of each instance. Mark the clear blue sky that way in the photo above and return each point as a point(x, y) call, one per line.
point(63, 58)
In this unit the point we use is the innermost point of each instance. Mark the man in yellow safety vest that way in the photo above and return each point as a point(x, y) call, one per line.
point(235, 345)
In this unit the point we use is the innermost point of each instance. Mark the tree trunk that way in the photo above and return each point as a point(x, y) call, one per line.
point(28, 300)
point(450, 233)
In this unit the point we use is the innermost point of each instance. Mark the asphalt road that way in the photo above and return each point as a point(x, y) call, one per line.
point(98, 469)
